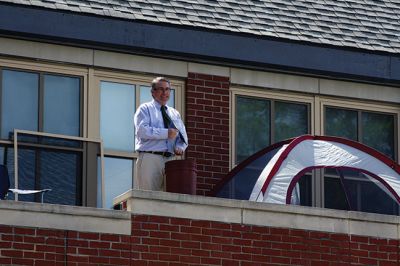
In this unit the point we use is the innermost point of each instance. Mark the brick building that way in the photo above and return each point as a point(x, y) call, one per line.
point(244, 76)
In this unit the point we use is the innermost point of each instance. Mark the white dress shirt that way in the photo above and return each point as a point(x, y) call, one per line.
point(150, 132)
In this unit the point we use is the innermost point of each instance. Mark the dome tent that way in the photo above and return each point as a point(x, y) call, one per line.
point(271, 174)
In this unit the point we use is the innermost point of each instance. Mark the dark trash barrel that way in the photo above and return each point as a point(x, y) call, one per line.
point(181, 176)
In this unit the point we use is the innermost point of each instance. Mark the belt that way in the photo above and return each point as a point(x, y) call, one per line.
point(162, 153)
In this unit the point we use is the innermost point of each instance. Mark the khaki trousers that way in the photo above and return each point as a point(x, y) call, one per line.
point(150, 173)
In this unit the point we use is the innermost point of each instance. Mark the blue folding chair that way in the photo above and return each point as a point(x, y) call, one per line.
point(5, 186)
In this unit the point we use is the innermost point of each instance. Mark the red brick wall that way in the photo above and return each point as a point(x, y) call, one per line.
point(207, 124)
point(163, 240)
point(159, 240)
point(35, 246)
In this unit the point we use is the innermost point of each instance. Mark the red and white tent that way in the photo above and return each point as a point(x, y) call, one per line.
point(293, 159)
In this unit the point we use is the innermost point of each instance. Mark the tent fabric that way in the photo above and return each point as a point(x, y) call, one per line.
point(304, 153)
point(239, 182)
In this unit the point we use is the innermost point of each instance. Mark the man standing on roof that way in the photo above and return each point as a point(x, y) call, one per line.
point(160, 135)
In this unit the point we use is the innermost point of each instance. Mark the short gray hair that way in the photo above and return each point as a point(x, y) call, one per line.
point(156, 80)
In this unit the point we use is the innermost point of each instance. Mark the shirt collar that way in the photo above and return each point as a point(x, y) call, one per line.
point(158, 105)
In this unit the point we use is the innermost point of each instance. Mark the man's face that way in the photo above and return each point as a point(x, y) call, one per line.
point(162, 92)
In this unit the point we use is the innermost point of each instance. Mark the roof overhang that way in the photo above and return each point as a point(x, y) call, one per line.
point(196, 44)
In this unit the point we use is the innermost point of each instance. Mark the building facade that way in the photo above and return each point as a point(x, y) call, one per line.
point(241, 83)
point(173, 229)
point(244, 76)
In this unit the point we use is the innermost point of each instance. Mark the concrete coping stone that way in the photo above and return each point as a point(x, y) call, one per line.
point(62, 209)
point(261, 206)
point(63, 217)
point(141, 202)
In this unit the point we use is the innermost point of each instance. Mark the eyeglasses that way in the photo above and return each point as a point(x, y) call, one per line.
point(163, 89)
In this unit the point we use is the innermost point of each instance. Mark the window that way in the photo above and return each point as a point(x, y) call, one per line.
point(19, 101)
point(61, 102)
point(260, 122)
point(117, 106)
point(371, 128)
point(117, 179)
point(38, 101)
point(354, 189)
point(62, 163)
point(262, 118)
point(44, 103)
point(119, 97)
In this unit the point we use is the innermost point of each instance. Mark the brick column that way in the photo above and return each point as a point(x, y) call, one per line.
point(207, 124)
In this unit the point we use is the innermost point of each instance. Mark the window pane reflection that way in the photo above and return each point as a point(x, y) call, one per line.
point(145, 94)
point(117, 179)
point(117, 108)
point(252, 126)
point(19, 103)
point(61, 105)
point(291, 120)
point(341, 123)
point(378, 132)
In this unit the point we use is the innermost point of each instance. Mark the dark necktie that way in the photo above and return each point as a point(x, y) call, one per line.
point(165, 116)
point(168, 123)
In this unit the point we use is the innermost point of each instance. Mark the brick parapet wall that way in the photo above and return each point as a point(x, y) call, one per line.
point(157, 240)
point(36, 246)
point(207, 124)
point(177, 241)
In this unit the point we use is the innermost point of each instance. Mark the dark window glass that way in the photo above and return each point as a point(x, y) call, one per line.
point(341, 123)
point(59, 142)
point(363, 193)
point(305, 186)
point(19, 102)
point(291, 120)
point(26, 172)
point(255, 118)
point(375, 198)
point(335, 197)
point(252, 126)
point(378, 132)
point(40, 169)
point(61, 171)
